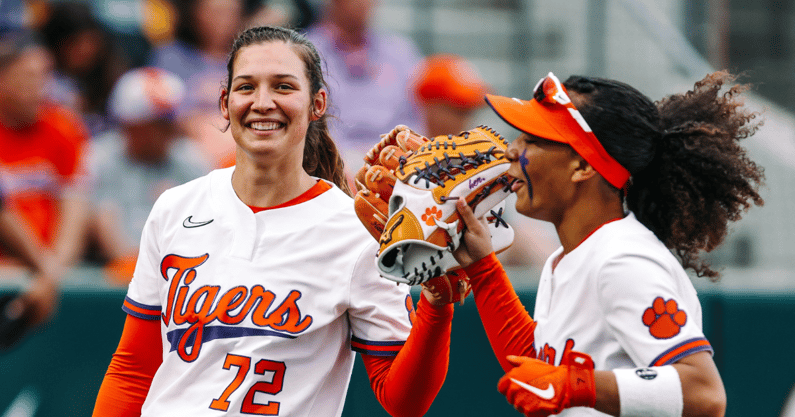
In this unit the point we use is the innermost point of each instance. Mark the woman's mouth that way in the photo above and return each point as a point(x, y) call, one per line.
point(516, 185)
point(265, 126)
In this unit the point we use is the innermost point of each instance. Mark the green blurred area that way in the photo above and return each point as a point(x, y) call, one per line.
point(61, 365)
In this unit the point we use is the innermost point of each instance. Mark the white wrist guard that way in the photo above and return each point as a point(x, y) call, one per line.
point(649, 392)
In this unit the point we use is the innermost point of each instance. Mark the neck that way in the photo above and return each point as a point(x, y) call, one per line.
point(267, 186)
point(585, 216)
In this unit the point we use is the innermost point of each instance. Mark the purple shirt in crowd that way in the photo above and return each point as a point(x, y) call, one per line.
point(370, 90)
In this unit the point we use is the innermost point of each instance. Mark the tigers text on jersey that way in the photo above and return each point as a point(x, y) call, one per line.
point(260, 313)
point(622, 298)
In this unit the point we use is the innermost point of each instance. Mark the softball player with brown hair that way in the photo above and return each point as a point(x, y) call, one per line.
point(256, 284)
point(626, 182)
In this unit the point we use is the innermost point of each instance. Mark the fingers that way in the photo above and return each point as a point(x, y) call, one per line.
point(466, 214)
point(503, 385)
point(476, 243)
point(371, 211)
point(518, 360)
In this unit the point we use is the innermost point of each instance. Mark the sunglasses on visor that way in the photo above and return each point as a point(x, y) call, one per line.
point(549, 92)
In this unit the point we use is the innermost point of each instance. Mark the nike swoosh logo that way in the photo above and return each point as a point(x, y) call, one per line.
point(546, 394)
point(189, 223)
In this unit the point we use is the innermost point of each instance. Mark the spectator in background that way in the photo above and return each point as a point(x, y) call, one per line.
point(136, 162)
point(39, 300)
point(450, 90)
point(205, 30)
point(87, 62)
point(369, 74)
point(265, 13)
point(295, 14)
point(42, 172)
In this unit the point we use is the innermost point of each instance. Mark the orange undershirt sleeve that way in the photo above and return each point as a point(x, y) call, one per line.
point(407, 384)
point(508, 325)
point(131, 369)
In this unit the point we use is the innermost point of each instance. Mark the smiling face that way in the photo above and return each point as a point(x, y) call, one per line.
point(269, 104)
point(544, 171)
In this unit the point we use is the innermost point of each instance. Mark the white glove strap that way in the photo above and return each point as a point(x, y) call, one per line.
point(650, 392)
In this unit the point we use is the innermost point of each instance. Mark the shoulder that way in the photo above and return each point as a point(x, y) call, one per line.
point(624, 249)
point(171, 205)
point(339, 209)
point(629, 257)
point(68, 125)
point(338, 203)
point(627, 237)
point(195, 186)
point(180, 195)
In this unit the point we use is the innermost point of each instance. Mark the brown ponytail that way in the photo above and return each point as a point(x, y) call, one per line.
point(321, 157)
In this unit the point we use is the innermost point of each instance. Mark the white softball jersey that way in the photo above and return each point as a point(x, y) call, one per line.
point(622, 298)
point(261, 314)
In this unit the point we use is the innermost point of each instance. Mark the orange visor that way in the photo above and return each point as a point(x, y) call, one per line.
point(551, 115)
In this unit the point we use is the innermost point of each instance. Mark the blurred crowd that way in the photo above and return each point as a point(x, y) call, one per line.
point(104, 104)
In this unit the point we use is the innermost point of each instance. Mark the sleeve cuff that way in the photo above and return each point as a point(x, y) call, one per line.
point(434, 312)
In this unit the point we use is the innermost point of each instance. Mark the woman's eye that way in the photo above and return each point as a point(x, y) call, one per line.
point(284, 87)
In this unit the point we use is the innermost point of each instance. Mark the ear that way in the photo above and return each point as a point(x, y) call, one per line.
point(582, 170)
point(223, 103)
point(319, 104)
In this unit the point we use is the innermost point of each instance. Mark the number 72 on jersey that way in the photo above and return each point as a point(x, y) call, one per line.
point(243, 364)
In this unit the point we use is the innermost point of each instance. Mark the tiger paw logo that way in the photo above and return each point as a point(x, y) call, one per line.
point(431, 215)
point(664, 318)
point(410, 309)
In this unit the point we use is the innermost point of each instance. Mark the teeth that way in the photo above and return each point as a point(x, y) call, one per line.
point(265, 125)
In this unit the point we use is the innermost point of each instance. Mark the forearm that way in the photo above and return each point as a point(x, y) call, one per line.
point(71, 233)
point(508, 325)
point(702, 389)
point(131, 370)
point(24, 244)
point(421, 364)
point(121, 393)
point(109, 236)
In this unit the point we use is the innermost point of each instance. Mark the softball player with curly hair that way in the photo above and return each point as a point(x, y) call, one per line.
point(255, 285)
point(636, 190)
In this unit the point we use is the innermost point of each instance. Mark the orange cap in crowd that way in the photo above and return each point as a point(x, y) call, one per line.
point(450, 79)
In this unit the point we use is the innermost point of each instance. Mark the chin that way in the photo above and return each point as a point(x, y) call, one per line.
point(523, 207)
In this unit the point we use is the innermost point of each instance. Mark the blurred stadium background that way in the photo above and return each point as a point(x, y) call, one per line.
point(660, 47)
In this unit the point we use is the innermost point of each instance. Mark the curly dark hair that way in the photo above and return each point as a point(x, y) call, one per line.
point(690, 176)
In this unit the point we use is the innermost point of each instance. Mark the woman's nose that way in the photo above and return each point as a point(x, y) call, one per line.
point(512, 154)
point(263, 100)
